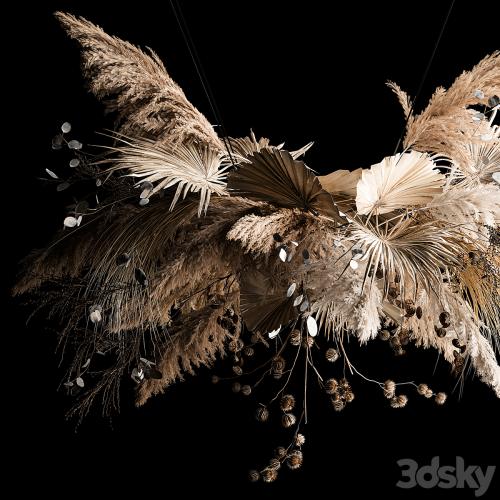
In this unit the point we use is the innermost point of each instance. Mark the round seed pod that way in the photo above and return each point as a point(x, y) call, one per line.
point(274, 463)
point(308, 341)
point(233, 346)
point(395, 342)
point(295, 459)
point(441, 332)
point(389, 388)
point(288, 419)
point(331, 386)
point(262, 414)
point(332, 355)
point(456, 343)
point(280, 452)
point(295, 337)
point(269, 475)
point(287, 402)
point(246, 390)
point(384, 335)
point(338, 405)
point(419, 312)
point(215, 379)
point(248, 351)
point(440, 398)
point(237, 370)
point(278, 364)
point(410, 310)
point(399, 351)
point(236, 387)
point(349, 396)
point(445, 319)
point(428, 393)
point(253, 476)
point(300, 439)
point(422, 389)
point(399, 401)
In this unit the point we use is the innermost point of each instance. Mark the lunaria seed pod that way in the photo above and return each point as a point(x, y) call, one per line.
point(287, 402)
point(389, 388)
point(294, 459)
point(332, 355)
point(262, 414)
point(331, 386)
point(288, 419)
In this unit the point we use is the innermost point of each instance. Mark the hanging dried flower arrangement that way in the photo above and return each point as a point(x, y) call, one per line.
point(196, 246)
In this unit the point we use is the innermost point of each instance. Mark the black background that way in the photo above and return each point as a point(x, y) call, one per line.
point(294, 73)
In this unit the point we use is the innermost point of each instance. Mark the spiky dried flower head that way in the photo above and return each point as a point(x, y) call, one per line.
point(295, 459)
point(332, 355)
point(288, 419)
point(399, 401)
point(389, 388)
point(331, 386)
point(248, 351)
point(237, 370)
point(262, 414)
point(287, 402)
point(280, 452)
point(338, 404)
point(295, 337)
point(274, 463)
point(246, 390)
point(349, 396)
point(422, 389)
point(300, 439)
point(428, 393)
point(269, 475)
point(253, 476)
point(236, 387)
point(308, 341)
point(440, 398)
point(278, 364)
point(235, 345)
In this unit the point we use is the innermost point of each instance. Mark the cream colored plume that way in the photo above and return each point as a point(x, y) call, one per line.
point(400, 181)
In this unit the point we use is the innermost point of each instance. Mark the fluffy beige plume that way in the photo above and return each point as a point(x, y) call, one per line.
point(137, 87)
point(193, 168)
point(402, 181)
point(446, 124)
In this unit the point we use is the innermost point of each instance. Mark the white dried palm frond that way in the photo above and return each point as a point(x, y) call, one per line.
point(481, 161)
point(193, 168)
point(400, 181)
point(413, 249)
point(463, 204)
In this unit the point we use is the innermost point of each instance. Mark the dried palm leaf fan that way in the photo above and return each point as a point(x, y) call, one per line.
point(191, 254)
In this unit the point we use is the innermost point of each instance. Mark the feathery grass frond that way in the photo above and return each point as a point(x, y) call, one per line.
point(137, 87)
point(404, 180)
point(403, 98)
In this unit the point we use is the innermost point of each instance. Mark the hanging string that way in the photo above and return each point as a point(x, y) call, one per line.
point(426, 72)
point(201, 74)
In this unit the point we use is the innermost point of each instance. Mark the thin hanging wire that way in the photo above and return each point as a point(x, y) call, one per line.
point(426, 72)
point(181, 21)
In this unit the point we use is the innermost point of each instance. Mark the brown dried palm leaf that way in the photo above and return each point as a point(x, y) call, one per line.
point(275, 177)
point(191, 167)
point(401, 181)
point(264, 306)
point(137, 87)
